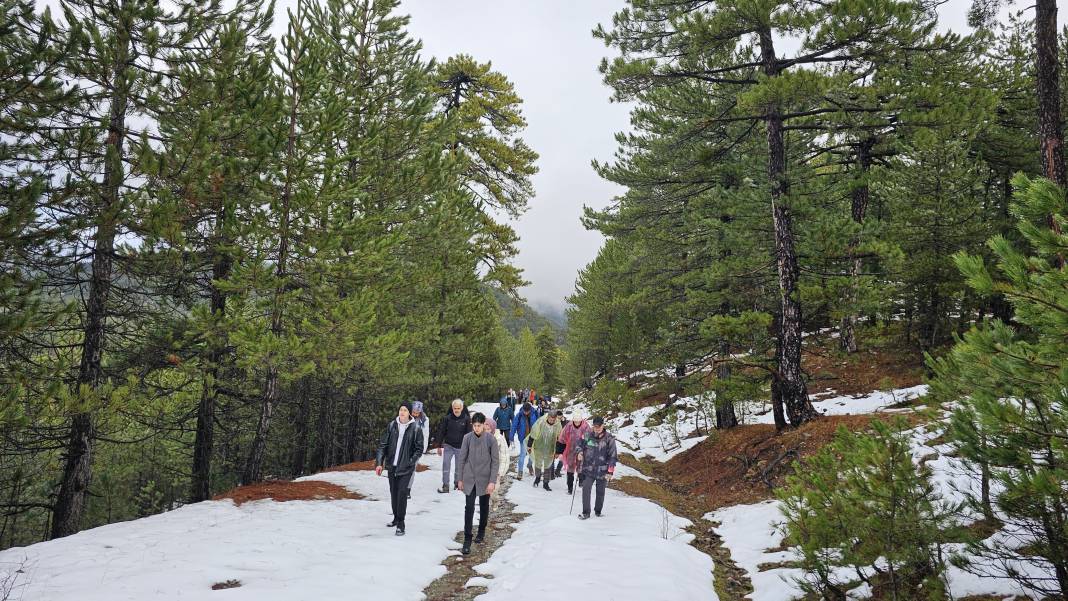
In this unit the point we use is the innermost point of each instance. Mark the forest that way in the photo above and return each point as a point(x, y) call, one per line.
point(226, 256)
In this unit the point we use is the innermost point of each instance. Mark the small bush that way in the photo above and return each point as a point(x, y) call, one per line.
point(860, 511)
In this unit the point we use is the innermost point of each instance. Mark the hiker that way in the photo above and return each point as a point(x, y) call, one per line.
point(570, 439)
point(454, 426)
point(423, 423)
point(478, 467)
point(398, 453)
point(502, 466)
point(597, 461)
point(522, 424)
point(503, 417)
point(542, 442)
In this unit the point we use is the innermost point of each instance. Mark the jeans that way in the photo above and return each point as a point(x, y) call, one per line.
point(469, 514)
point(398, 496)
point(587, 486)
point(450, 455)
point(522, 465)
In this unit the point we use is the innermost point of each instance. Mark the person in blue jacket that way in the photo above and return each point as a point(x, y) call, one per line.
point(503, 416)
point(522, 424)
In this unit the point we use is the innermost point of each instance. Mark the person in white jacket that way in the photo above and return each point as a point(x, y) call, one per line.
point(419, 418)
point(503, 450)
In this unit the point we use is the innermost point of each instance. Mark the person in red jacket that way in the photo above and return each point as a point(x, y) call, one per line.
point(571, 438)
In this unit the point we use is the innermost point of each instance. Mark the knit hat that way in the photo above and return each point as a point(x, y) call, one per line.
point(417, 406)
point(598, 421)
point(491, 424)
point(406, 405)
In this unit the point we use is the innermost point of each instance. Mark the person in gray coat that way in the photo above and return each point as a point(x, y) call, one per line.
point(478, 464)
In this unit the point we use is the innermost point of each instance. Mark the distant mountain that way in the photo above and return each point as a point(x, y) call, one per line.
point(553, 313)
point(518, 315)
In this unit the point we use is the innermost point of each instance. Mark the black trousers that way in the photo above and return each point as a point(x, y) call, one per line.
point(587, 485)
point(469, 513)
point(398, 495)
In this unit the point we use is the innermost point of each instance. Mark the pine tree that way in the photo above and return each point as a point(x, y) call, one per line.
point(1011, 382)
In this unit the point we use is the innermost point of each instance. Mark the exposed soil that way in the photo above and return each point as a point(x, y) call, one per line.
point(746, 463)
point(878, 365)
point(362, 466)
point(219, 586)
point(282, 490)
point(452, 586)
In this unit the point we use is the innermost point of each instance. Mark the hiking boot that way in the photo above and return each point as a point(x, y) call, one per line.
point(481, 536)
point(392, 523)
point(519, 475)
point(530, 468)
point(444, 488)
point(400, 530)
point(584, 516)
point(546, 486)
point(570, 490)
point(466, 550)
point(559, 469)
point(537, 480)
point(409, 494)
point(597, 513)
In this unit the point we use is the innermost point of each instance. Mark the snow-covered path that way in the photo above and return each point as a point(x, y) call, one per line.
point(635, 551)
point(291, 551)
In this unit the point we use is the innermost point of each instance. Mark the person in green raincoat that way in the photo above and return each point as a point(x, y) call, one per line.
point(542, 444)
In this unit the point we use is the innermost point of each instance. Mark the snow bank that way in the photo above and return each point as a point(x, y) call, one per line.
point(636, 552)
point(314, 550)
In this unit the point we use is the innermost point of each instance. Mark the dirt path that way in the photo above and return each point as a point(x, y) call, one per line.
point(731, 582)
point(451, 586)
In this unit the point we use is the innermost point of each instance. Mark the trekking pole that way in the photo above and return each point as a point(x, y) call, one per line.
point(578, 467)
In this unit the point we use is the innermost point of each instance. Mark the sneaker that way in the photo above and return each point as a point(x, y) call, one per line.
point(519, 476)
point(466, 550)
point(537, 480)
point(409, 494)
point(391, 524)
point(597, 513)
point(444, 488)
point(570, 490)
point(584, 516)
point(400, 530)
point(546, 486)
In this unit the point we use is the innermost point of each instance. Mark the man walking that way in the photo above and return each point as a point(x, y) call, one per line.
point(423, 424)
point(479, 462)
point(542, 441)
point(597, 457)
point(398, 452)
point(571, 438)
point(455, 425)
point(522, 424)
point(503, 417)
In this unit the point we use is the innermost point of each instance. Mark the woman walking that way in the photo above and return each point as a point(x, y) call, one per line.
point(478, 465)
point(398, 453)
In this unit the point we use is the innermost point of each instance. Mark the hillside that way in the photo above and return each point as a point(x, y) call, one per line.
point(516, 315)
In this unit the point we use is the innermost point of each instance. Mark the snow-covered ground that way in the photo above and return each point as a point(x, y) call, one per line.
point(291, 551)
point(635, 551)
point(749, 531)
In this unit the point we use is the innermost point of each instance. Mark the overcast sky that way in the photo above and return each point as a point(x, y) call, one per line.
point(545, 48)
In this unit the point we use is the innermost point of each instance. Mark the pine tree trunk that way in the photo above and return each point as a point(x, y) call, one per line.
point(792, 389)
point(776, 388)
point(300, 448)
point(725, 414)
point(203, 444)
point(270, 389)
point(78, 463)
point(861, 194)
point(1047, 77)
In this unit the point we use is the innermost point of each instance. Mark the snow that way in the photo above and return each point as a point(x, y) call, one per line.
point(288, 551)
point(749, 531)
point(880, 401)
point(628, 554)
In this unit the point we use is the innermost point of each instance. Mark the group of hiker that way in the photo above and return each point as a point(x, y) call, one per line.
point(476, 456)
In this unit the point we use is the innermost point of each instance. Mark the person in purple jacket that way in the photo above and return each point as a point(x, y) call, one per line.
point(597, 462)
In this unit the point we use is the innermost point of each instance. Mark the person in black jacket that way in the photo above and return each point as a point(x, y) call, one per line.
point(451, 431)
point(398, 453)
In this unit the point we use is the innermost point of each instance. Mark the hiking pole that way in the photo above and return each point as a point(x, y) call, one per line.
point(578, 467)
